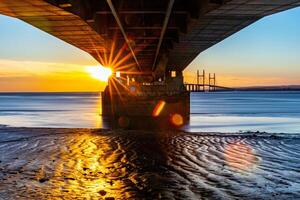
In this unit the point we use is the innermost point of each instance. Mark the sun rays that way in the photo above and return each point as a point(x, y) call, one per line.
point(117, 59)
point(99, 72)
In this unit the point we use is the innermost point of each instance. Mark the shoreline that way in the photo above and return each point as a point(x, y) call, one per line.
point(173, 131)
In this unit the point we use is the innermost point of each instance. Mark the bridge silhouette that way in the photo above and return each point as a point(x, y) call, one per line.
point(202, 86)
point(144, 41)
point(206, 88)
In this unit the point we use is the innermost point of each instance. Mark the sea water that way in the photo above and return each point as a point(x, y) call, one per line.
point(269, 111)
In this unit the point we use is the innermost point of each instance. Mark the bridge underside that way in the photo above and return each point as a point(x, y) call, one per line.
point(146, 40)
point(149, 36)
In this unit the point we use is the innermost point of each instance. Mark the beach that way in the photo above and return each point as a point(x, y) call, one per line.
point(57, 163)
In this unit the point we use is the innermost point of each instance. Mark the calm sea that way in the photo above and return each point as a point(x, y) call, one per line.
point(276, 112)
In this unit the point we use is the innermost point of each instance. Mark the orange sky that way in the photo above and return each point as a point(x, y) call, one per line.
point(25, 76)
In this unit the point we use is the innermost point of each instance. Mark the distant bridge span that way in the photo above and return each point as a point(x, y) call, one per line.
point(161, 35)
point(206, 87)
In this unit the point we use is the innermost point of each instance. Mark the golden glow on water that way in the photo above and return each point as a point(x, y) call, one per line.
point(111, 164)
point(98, 114)
point(240, 157)
point(86, 168)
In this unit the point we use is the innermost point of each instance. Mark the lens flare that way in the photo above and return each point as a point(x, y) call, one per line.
point(158, 108)
point(177, 119)
point(99, 72)
point(240, 157)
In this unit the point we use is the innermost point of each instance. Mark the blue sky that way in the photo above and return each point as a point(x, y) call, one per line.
point(267, 48)
point(20, 41)
point(265, 53)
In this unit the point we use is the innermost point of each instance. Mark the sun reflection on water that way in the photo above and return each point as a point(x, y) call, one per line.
point(87, 168)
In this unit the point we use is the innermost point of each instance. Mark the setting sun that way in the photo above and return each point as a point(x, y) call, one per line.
point(99, 72)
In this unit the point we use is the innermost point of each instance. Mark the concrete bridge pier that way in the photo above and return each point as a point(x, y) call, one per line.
point(132, 103)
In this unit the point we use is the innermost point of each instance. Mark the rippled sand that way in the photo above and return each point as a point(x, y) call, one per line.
point(98, 164)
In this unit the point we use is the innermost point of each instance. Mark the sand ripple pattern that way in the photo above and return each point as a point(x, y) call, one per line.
point(98, 164)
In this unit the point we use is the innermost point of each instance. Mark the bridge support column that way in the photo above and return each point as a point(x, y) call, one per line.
point(140, 105)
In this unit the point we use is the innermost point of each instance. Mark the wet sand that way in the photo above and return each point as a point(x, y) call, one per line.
point(47, 163)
